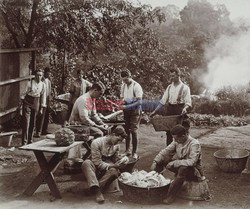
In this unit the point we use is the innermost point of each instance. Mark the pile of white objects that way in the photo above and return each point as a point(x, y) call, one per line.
point(144, 179)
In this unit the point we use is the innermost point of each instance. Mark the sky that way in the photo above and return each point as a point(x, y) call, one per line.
point(237, 8)
point(228, 59)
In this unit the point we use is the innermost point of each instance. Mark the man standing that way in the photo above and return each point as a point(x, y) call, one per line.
point(131, 94)
point(78, 87)
point(177, 99)
point(183, 157)
point(43, 120)
point(104, 164)
point(84, 111)
point(34, 101)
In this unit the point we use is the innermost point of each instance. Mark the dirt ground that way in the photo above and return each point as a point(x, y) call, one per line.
point(18, 168)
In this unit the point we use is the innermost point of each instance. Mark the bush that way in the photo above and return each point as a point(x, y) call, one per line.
point(230, 101)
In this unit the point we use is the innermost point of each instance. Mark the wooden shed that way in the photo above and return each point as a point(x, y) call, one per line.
point(16, 67)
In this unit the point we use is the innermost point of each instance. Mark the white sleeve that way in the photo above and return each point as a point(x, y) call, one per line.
point(165, 96)
point(138, 91)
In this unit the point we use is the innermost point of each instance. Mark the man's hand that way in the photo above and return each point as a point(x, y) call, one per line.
point(116, 165)
point(184, 111)
point(152, 114)
point(170, 164)
point(123, 107)
point(41, 110)
point(153, 166)
point(103, 127)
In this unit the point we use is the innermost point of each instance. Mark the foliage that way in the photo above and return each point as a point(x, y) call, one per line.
point(137, 37)
point(211, 120)
point(230, 101)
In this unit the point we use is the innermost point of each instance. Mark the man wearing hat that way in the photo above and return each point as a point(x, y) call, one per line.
point(104, 163)
point(131, 94)
point(176, 98)
point(84, 111)
point(183, 157)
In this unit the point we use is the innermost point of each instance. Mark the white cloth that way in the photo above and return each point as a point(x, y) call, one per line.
point(173, 91)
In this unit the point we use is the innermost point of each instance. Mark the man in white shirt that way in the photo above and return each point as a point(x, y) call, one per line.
point(43, 120)
point(131, 94)
point(34, 101)
point(84, 111)
point(176, 98)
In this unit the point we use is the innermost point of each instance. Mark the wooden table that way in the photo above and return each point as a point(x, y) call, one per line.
point(47, 166)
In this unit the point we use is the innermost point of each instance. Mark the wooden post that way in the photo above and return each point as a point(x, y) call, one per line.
point(63, 72)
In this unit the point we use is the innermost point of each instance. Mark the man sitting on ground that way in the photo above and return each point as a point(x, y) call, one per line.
point(104, 164)
point(183, 157)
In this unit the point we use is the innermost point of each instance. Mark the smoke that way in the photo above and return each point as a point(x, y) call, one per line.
point(228, 62)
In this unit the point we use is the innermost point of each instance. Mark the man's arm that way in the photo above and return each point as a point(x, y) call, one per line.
point(187, 100)
point(169, 150)
point(162, 102)
point(83, 108)
point(96, 156)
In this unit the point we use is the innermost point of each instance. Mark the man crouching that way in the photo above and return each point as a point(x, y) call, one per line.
point(103, 168)
point(183, 157)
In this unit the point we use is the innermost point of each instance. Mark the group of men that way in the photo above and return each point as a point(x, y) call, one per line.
point(84, 110)
point(182, 155)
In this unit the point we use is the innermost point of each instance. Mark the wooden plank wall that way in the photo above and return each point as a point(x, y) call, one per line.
point(15, 68)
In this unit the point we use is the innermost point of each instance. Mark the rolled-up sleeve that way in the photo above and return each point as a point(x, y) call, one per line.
point(192, 158)
point(187, 96)
point(165, 97)
point(43, 96)
point(138, 91)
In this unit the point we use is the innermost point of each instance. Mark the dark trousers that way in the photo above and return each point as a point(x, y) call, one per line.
point(182, 173)
point(132, 121)
point(70, 107)
point(95, 177)
point(173, 110)
point(28, 124)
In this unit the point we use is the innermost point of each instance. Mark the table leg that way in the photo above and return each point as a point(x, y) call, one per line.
point(46, 174)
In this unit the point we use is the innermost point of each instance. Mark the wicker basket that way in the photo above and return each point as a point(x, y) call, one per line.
point(231, 160)
point(81, 132)
point(166, 123)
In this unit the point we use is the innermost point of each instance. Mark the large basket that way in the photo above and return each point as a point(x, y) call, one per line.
point(166, 123)
point(143, 195)
point(231, 160)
